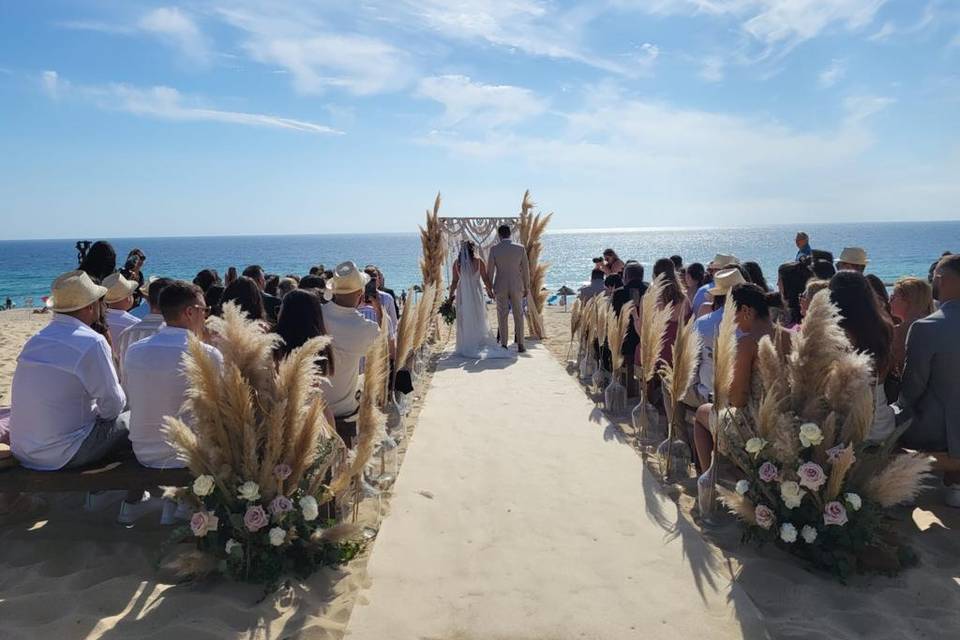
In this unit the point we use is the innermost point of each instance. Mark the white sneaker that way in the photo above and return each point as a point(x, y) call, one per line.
point(951, 495)
point(131, 512)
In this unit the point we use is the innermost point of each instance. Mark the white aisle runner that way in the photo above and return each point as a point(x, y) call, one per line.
point(518, 515)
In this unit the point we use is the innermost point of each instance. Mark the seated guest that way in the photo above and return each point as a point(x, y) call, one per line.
point(694, 277)
point(273, 281)
point(316, 283)
point(813, 287)
point(755, 275)
point(387, 304)
point(271, 303)
point(119, 300)
point(66, 397)
point(672, 293)
point(611, 284)
point(99, 260)
point(245, 293)
point(213, 298)
point(870, 331)
point(316, 270)
point(823, 269)
point(792, 279)
point(930, 391)
point(753, 323)
point(595, 287)
point(852, 259)
point(632, 289)
point(285, 286)
point(880, 290)
point(720, 262)
point(911, 300)
point(153, 373)
point(231, 277)
point(150, 324)
point(352, 336)
point(206, 279)
point(677, 263)
point(612, 264)
point(706, 327)
point(803, 246)
point(382, 286)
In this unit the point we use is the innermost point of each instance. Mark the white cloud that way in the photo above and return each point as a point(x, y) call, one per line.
point(471, 103)
point(166, 103)
point(887, 30)
point(712, 69)
point(178, 30)
point(832, 74)
point(99, 27)
point(860, 108)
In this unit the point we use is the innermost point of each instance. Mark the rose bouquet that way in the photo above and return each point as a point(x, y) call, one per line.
point(266, 464)
point(815, 484)
point(448, 310)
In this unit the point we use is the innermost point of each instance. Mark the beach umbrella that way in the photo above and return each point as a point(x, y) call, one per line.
point(563, 292)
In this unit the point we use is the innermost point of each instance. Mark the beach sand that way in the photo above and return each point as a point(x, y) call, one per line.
point(65, 573)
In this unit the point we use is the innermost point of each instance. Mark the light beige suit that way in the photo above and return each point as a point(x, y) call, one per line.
point(509, 274)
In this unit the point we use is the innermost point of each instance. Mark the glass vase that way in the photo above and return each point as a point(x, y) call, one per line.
point(615, 398)
point(707, 492)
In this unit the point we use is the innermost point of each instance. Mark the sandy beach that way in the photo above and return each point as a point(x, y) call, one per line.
point(66, 573)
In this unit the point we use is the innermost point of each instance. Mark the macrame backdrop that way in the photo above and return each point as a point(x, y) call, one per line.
point(482, 232)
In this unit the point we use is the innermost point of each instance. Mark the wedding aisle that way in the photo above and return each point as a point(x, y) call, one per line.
point(518, 515)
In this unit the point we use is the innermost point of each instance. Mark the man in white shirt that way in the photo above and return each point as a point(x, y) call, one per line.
point(119, 300)
point(153, 378)
point(352, 336)
point(67, 400)
point(150, 324)
point(386, 299)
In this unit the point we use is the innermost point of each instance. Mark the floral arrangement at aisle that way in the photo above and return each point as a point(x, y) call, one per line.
point(531, 232)
point(814, 484)
point(654, 318)
point(674, 453)
point(586, 329)
point(265, 461)
point(615, 395)
point(601, 312)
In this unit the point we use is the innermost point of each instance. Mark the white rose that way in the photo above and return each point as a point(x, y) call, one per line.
point(277, 536)
point(788, 532)
point(742, 487)
point(808, 533)
point(203, 485)
point(853, 501)
point(231, 545)
point(309, 507)
point(792, 494)
point(249, 491)
point(810, 434)
point(755, 445)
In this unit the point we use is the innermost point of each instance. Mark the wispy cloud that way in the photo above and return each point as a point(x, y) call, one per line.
point(166, 103)
point(712, 68)
point(477, 104)
point(178, 30)
point(832, 74)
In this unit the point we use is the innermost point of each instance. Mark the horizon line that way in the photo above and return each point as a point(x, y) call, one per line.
point(561, 231)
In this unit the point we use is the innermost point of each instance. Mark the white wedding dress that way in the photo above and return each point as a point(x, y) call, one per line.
point(474, 339)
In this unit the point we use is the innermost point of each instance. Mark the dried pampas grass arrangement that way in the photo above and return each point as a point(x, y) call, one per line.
point(615, 395)
point(677, 377)
point(901, 481)
point(433, 247)
point(406, 328)
point(654, 318)
point(725, 356)
point(531, 229)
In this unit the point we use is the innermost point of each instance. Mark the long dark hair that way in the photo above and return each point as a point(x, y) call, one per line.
point(698, 273)
point(206, 279)
point(868, 328)
point(301, 318)
point(672, 289)
point(880, 290)
point(99, 260)
point(793, 278)
point(245, 293)
point(756, 274)
point(471, 249)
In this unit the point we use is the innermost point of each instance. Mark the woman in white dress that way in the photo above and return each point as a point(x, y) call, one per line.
point(474, 339)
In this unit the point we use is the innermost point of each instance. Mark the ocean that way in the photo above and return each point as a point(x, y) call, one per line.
point(27, 267)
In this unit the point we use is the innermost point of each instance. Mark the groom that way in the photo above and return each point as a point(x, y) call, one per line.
point(509, 272)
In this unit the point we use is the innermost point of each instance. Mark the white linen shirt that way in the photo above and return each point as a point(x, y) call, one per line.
point(64, 381)
point(352, 335)
point(150, 324)
point(156, 387)
point(117, 322)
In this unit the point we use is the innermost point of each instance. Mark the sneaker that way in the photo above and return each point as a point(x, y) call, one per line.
point(952, 495)
point(131, 512)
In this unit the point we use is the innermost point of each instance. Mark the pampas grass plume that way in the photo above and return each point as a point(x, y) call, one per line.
point(901, 481)
point(725, 355)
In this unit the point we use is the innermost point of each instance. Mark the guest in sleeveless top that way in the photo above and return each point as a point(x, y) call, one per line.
point(791, 279)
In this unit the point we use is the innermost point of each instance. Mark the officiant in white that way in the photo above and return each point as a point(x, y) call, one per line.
point(474, 339)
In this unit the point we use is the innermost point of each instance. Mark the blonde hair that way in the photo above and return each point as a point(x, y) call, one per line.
point(814, 287)
point(916, 292)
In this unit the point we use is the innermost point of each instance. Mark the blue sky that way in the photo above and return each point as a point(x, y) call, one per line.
point(287, 116)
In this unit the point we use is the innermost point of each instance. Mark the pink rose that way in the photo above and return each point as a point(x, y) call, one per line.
point(834, 513)
point(811, 475)
point(282, 471)
point(279, 505)
point(764, 516)
point(203, 521)
point(769, 472)
point(255, 519)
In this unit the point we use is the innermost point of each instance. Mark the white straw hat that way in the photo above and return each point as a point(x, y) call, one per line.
point(853, 255)
point(347, 278)
point(72, 291)
point(118, 287)
point(723, 261)
point(726, 280)
point(145, 288)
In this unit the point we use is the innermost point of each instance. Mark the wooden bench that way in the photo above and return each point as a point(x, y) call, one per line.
point(123, 473)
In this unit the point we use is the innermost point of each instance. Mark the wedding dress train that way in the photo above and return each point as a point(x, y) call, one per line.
point(474, 339)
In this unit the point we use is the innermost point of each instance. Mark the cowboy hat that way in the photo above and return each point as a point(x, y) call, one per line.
point(72, 291)
point(118, 287)
point(723, 261)
point(726, 280)
point(347, 278)
point(145, 287)
point(853, 255)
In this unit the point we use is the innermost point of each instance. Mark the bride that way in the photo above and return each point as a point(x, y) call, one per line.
point(474, 339)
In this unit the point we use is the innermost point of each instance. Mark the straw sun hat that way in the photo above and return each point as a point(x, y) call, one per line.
point(723, 261)
point(853, 255)
point(118, 287)
point(347, 278)
point(72, 291)
point(726, 280)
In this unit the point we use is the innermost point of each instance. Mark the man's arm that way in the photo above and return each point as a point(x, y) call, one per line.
point(492, 267)
point(525, 270)
point(99, 377)
point(916, 371)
